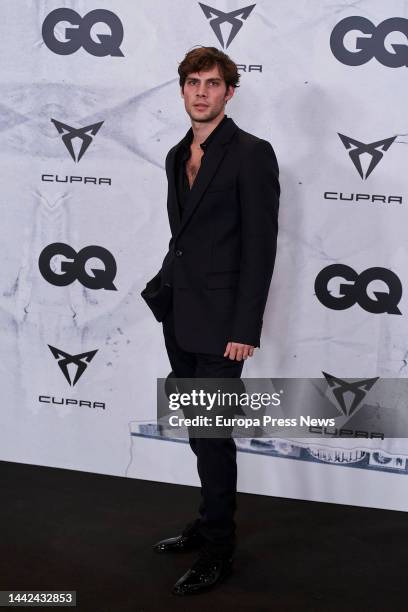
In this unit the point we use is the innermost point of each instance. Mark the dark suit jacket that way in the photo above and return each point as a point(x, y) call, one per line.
point(221, 255)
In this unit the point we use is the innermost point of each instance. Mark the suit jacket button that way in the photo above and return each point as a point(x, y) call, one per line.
point(179, 253)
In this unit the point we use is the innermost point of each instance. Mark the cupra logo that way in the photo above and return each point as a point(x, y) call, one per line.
point(234, 18)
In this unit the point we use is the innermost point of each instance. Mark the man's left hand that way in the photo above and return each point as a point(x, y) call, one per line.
point(238, 351)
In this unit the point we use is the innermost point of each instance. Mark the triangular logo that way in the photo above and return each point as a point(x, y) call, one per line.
point(64, 359)
point(357, 390)
point(234, 18)
point(373, 149)
point(69, 133)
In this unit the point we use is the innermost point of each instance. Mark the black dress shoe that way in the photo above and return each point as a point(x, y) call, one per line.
point(190, 539)
point(206, 573)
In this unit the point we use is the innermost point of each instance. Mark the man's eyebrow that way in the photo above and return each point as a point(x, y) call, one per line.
point(210, 79)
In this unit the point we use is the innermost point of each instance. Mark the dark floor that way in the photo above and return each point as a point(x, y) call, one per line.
point(91, 533)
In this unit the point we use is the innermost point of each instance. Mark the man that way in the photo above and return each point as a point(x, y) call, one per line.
point(211, 291)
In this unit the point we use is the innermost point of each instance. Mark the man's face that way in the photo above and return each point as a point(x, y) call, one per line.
point(205, 95)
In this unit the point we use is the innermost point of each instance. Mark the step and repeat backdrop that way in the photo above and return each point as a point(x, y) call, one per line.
point(89, 107)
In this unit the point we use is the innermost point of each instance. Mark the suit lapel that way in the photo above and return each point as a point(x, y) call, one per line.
point(209, 166)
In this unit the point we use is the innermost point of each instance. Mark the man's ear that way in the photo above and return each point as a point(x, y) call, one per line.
point(229, 93)
point(182, 92)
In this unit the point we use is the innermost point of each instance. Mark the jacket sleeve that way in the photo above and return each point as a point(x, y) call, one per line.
point(259, 192)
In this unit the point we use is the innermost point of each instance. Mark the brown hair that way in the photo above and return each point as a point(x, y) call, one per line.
point(205, 58)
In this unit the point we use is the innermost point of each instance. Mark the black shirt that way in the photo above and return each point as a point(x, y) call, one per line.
point(183, 155)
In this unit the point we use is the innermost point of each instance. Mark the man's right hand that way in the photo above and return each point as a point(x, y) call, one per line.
point(238, 351)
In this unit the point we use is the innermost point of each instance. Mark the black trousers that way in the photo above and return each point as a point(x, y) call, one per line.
point(216, 457)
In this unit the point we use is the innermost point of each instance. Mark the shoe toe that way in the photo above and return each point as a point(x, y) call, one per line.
point(181, 543)
point(168, 544)
point(196, 580)
point(191, 582)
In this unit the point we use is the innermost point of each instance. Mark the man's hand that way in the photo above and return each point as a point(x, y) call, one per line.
point(238, 351)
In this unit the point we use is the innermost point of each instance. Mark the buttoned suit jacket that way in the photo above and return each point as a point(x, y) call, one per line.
point(221, 255)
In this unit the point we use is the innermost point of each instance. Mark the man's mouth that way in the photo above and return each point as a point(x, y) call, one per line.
point(201, 106)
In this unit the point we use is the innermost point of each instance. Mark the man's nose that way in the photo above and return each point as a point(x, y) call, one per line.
point(202, 90)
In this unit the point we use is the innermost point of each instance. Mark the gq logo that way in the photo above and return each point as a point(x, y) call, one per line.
point(356, 289)
point(81, 34)
point(74, 266)
point(371, 44)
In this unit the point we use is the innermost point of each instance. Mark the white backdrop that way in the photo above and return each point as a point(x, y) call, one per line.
point(300, 99)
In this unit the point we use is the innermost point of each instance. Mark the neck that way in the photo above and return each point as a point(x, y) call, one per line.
point(202, 130)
